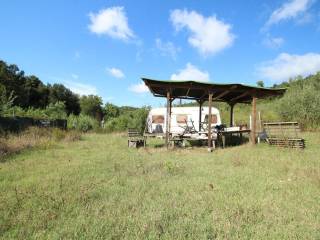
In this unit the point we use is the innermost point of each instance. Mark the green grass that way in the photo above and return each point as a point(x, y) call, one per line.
point(97, 188)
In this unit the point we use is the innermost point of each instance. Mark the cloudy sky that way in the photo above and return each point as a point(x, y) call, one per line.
point(104, 47)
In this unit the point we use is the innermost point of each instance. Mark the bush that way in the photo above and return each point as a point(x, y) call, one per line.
point(301, 102)
point(56, 111)
point(82, 123)
point(131, 119)
point(52, 111)
point(91, 106)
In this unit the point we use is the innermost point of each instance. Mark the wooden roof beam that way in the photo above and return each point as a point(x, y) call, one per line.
point(240, 96)
point(203, 95)
point(221, 95)
point(224, 93)
point(188, 92)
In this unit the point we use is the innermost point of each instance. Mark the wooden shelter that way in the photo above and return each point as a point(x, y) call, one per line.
point(203, 91)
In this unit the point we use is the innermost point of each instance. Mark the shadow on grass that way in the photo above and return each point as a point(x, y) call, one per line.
point(161, 145)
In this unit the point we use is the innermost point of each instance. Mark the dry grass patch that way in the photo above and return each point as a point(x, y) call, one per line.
point(34, 137)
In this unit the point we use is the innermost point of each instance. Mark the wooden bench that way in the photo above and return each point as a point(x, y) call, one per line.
point(135, 138)
point(284, 134)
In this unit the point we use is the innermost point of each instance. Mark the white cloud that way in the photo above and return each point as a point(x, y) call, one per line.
point(112, 22)
point(117, 73)
point(74, 76)
point(191, 72)
point(139, 88)
point(287, 66)
point(167, 48)
point(273, 42)
point(76, 55)
point(209, 35)
point(80, 88)
point(288, 10)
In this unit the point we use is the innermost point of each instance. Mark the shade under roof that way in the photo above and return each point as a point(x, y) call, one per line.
point(194, 90)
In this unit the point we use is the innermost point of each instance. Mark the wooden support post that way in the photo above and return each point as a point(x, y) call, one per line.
point(170, 112)
point(253, 120)
point(209, 122)
point(200, 113)
point(168, 119)
point(231, 114)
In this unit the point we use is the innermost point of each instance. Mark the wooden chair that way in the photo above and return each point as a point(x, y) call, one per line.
point(284, 134)
point(135, 138)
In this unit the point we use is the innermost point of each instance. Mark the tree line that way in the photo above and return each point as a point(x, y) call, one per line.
point(22, 95)
point(30, 91)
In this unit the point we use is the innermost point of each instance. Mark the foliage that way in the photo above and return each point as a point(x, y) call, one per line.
point(260, 83)
point(31, 92)
point(82, 123)
point(91, 105)
point(301, 103)
point(59, 93)
point(110, 111)
point(132, 119)
point(52, 111)
point(6, 102)
point(56, 110)
point(35, 113)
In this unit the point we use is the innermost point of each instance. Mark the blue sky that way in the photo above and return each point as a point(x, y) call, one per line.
point(104, 47)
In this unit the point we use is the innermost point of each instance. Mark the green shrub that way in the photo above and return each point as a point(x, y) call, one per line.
point(56, 111)
point(82, 123)
point(52, 111)
point(301, 102)
point(131, 119)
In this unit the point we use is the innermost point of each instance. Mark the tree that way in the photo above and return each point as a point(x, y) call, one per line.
point(31, 92)
point(13, 79)
point(59, 93)
point(6, 102)
point(37, 93)
point(56, 110)
point(110, 111)
point(260, 83)
point(91, 105)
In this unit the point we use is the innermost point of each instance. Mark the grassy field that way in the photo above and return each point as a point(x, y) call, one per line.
point(97, 188)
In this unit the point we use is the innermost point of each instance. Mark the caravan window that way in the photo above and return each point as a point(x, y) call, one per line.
point(157, 119)
point(214, 118)
point(182, 118)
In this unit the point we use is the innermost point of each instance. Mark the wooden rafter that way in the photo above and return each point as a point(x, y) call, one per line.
point(240, 96)
point(221, 95)
point(203, 95)
point(188, 92)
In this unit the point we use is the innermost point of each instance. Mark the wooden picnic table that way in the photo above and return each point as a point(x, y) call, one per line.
point(202, 136)
point(224, 133)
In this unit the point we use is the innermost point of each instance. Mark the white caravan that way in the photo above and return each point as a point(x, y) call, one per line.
point(181, 117)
